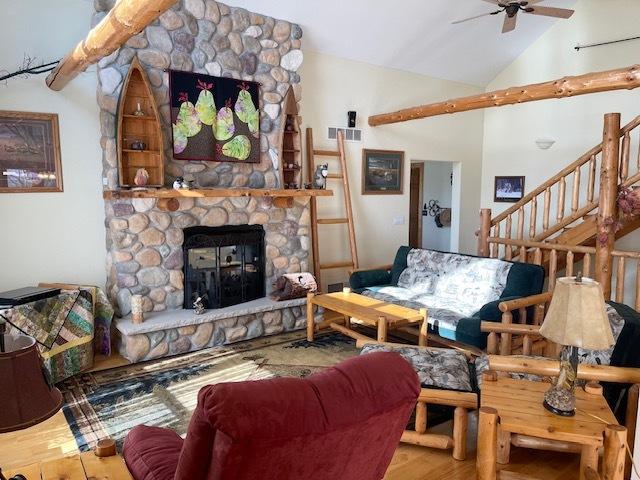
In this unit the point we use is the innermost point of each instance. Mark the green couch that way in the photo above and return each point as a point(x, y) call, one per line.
point(458, 290)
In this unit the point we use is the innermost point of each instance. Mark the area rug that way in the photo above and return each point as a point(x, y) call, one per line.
point(163, 393)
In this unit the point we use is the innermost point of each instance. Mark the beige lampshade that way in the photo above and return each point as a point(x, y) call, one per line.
point(577, 315)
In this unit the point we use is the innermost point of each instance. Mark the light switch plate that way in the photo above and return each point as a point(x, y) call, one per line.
point(398, 220)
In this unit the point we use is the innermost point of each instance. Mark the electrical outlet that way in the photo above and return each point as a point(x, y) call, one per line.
point(398, 220)
point(105, 181)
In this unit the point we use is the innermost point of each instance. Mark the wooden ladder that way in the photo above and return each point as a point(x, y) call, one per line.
point(315, 221)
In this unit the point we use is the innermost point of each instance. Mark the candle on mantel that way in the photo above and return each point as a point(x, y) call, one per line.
point(137, 315)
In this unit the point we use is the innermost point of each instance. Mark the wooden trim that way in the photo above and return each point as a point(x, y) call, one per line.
point(420, 167)
point(124, 20)
point(622, 78)
point(212, 192)
point(366, 151)
point(57, 158)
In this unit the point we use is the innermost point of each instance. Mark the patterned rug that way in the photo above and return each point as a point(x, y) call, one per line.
point(163, 393)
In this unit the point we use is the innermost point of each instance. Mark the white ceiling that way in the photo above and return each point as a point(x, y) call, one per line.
point(412, 35)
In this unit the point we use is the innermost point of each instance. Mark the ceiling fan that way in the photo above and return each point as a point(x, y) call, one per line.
point(511, 9)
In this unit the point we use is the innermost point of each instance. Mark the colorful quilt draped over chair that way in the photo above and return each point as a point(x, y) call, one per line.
point(68, 328)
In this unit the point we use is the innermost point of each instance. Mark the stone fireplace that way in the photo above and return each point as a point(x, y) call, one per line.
point(146, 241)
point(223, 266)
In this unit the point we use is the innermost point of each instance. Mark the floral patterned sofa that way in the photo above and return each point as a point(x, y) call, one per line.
point(459, 291)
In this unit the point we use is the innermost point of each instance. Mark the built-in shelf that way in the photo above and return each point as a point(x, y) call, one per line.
point(147, 118)
point(131, 150)
point(213, 192)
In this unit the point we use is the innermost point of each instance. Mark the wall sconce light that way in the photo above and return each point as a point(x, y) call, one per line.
point(351, 117)
point(545, 143)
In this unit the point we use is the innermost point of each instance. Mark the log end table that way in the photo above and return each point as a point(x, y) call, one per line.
point(512, 413)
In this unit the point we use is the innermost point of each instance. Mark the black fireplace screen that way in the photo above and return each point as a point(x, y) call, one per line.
point(223, 265)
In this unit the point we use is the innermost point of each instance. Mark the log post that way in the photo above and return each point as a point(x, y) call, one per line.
point(485, 231)
point(608, 205)
point(310, 317)
point(124, 20)
point(614, 452)
point(486, 467)
point(382, 328)
point(423, 336)
point(460, 426)
point(421, 417)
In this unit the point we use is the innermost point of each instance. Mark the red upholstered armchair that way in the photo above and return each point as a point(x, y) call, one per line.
point(340, 424)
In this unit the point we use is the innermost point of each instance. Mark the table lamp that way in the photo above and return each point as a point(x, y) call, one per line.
point(576, 318)
point(27, 395)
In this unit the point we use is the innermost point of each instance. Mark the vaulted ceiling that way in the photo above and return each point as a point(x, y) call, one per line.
point(412, 35)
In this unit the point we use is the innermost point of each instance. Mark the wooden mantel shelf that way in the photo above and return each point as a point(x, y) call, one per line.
point(213, 192)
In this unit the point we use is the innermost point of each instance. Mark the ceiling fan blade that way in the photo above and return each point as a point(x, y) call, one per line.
point(509, 23)
point(552, 12)
point(476, 16)
point(495, 2)
point(532, 2)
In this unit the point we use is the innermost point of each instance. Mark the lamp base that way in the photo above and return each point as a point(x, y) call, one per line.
point(560, 399)
point(558, 411)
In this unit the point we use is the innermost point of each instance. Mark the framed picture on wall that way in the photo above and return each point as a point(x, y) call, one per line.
point(29, 152)
point(382, 172)
point(508, 189)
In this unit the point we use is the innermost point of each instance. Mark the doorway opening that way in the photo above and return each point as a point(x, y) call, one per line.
point(433, 216)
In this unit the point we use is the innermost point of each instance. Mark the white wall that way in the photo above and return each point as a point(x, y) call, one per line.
point(575, 123)
point(60, 236)
point(331, 86)
point(437, 186)
point(53, 236)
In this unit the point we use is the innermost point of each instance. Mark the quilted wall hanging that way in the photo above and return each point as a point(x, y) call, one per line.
point(214, 119)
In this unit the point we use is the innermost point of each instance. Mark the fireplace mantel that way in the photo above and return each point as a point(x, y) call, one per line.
point(213, 192)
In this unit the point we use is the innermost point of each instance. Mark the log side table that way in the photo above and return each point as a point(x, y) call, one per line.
point(512, 413)
point(369, 311)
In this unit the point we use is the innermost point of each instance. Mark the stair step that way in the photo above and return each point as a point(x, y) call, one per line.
point(331, 221)
point(326, 153)
point(330, 265)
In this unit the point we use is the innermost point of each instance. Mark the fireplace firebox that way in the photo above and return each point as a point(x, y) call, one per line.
point(223, 265)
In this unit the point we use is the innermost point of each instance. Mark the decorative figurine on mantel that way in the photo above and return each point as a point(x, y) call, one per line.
point(141, 179)
point(320, 176)
point(180, 184)
point(198, 306)
point(138, 111)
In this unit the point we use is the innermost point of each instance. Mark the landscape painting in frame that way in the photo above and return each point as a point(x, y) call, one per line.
point(508, 189)
point(29, 152)
point(382, 172)
point(214, 119)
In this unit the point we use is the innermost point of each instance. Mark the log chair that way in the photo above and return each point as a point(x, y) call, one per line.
point(462, 402)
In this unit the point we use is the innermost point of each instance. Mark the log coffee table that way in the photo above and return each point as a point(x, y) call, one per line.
point(511, 412)
point(369, 311)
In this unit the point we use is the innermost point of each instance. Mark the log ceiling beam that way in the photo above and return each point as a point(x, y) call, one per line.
point(126, 19)
point(619, 79)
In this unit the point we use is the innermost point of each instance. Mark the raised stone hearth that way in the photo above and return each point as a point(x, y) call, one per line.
point(170, 333)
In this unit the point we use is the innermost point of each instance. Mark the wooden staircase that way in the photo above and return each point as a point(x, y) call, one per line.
point(573, 216)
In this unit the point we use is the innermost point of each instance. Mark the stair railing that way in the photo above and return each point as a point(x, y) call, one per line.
point(531, 217)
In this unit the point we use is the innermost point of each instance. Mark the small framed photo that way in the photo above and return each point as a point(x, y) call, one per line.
point(508, 189)
point(29, 152)
point(382, 172)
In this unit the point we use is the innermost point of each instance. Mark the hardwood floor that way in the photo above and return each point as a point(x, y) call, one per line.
point(53, 439)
